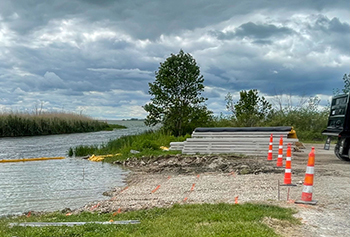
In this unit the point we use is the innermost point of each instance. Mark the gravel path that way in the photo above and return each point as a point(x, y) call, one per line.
point(163, 182)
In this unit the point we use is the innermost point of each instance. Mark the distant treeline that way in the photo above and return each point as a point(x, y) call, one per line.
point(23, 124)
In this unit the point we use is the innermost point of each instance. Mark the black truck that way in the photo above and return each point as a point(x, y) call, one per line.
point(339, 126)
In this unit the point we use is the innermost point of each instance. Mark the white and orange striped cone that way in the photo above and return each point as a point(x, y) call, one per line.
point(280, 153)
point(288, 171)
point(269, 155)
point(306, 196)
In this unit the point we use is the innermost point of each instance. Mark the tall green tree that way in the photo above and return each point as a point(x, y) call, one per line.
point(251, 109)
point(346, 88)
point(176, 101)
point(346, 79)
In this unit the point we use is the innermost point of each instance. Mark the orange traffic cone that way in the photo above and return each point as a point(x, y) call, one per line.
point(288, 170)
point(269, 155)
point(280, 153)
point(306, 196)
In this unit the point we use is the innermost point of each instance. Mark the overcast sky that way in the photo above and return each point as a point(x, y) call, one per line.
point(97, 57)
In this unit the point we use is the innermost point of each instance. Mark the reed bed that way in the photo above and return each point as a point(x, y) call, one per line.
point(25, 124)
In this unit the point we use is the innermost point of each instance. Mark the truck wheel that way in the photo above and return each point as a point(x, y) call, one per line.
point(340, 157)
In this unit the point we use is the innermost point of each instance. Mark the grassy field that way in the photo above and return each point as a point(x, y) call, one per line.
point(24, 124)
point(179, 220)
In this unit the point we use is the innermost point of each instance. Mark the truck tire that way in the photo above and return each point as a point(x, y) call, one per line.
point(339, 156)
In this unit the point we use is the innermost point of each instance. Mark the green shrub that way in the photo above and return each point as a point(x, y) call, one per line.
point(307, 123)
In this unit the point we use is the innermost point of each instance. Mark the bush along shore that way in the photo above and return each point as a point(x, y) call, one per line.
point(21, 124)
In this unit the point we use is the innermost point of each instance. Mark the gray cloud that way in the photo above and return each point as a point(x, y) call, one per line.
point(252, 30)
point(261, 31)
point(99, 56)
point(144, 19)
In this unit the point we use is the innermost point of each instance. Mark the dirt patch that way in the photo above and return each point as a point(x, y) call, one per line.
point(185, 164)
point(283, 227)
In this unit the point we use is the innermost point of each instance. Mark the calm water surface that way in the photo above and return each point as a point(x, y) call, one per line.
point(56, 184)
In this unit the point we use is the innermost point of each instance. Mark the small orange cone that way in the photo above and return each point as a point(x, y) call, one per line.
point(280, 153)
point(306, 196)
point(269, 155)
point(288, 170)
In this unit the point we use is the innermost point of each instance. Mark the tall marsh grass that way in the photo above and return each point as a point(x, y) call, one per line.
point(24, 124)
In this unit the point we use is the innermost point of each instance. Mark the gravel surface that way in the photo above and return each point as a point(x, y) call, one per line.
point(163, 181)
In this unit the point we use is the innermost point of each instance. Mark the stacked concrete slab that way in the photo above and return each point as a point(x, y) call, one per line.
point(247, 141)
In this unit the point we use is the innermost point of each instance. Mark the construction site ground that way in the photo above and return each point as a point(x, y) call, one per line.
point(164, 181)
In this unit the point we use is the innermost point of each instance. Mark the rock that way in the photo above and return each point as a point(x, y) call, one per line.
point(189, 164)
point(108, 193)
point(223, 167)
point(66, 210)
point(296, 149)
point(245, 171)
point(299, 145)
point(212, 165)
point(170, 162)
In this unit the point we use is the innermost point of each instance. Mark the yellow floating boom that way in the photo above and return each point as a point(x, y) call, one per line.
point(32, 159)
point(96, 158)
point(101, 157)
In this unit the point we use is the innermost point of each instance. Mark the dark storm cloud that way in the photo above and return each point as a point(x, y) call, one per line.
point(261, 31)
point(143, 19)
point(255, 31)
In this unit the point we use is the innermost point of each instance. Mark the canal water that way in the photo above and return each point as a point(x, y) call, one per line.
point(57, 184)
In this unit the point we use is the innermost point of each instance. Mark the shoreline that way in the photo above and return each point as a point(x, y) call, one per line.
point(195, 179)
point(165, 181)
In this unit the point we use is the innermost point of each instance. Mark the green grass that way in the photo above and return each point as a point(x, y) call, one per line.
point(25, 124)
point(179, 220)
point(147, 143)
